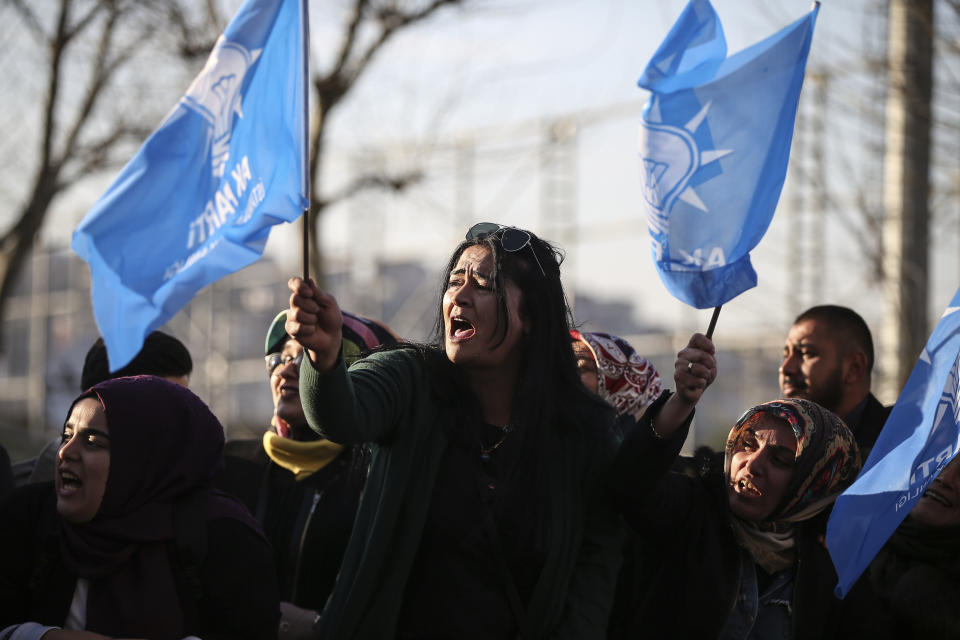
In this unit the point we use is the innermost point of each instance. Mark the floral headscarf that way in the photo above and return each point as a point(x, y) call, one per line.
point(827, 461)
point(625, 379)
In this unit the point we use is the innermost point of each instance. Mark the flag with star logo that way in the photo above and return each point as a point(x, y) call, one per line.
point(198, 199)
point(714, 145)
point(919, 439)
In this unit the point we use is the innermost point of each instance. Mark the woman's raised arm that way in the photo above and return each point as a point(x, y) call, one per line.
point(694, 370)
point(314, 320)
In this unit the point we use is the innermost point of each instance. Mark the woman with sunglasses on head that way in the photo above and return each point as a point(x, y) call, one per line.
point(130, 540)
point(484, 514)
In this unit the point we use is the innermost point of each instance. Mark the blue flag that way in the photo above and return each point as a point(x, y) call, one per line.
point(198, 199)
point(714, 142)
point(918, 440)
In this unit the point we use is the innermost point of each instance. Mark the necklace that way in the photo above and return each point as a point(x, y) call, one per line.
point(486, 451)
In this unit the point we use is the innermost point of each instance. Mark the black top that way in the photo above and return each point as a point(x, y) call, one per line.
point(6, 473)
point(689, 560)
point(866, 421)
point(307, 522)
point(470, 570)
point(233, 594)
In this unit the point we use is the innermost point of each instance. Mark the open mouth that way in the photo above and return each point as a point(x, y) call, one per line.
point(289, 390)
point(461, 329)
point(69, 481)
point(748, 489)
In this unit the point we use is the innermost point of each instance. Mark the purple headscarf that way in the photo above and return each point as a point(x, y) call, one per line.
point(165, 447)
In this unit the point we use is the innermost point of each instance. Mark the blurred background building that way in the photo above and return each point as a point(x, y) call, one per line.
point(439, 114)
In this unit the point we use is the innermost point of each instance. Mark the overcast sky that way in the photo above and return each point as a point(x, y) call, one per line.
point(496, 70)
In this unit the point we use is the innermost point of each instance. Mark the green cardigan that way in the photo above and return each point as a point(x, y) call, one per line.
point(385, 400)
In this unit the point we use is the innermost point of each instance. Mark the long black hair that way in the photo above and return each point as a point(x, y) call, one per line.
point(550, 402)
point(549, 391)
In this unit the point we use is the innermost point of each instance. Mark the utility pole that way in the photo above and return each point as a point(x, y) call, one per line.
point(465, 156)
point(796, 273)
point(558, 192)
point(818, 188)
point(906, 190)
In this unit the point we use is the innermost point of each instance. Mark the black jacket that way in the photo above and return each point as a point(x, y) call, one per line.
point(868, 426)
point(308, 522)
point(234, 595)
point(905, 594)
point(687, 576)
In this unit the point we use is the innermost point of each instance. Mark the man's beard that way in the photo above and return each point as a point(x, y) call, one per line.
point(828, 394)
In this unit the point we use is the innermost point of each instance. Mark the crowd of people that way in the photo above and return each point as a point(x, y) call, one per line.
point(513, 477)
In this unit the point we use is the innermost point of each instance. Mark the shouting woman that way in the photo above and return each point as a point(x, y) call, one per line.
point(484, 514)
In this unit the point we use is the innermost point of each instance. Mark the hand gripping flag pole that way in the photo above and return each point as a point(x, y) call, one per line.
point(715, 140)
point(198, 199)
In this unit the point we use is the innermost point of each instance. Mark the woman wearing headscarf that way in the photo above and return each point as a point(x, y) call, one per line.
point(130, 540)
point(610, 367)
point(732, 541)
point(484, 514)
point(302, 488)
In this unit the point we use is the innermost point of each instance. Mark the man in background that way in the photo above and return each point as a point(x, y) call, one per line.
point(828, 358)
point(161, 355)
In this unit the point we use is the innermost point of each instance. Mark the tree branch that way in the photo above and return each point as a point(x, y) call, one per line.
point(349, 38)
point(395, 183)
point(95, 155)
point(101, 70)
point(391, 20)
point(195, 42)
point(28, 15)
point(85, 21)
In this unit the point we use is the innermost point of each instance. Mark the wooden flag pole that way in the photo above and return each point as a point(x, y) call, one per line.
point(713, 322)
point(306, 244)
point(305, 159)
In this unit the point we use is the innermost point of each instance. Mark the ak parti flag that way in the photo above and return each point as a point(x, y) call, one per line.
point(714, 143)
point(198, 199)
point(919, 439)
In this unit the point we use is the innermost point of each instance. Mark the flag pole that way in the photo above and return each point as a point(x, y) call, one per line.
point(305, 160)
point(306, 244)
point(713, 321)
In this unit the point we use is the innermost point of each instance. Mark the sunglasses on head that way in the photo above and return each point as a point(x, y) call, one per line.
point(511, 238)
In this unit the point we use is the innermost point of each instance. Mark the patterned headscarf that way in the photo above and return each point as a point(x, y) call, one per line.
point(625, 379)
point(304, 458)
point(827, 461)
point(359, 334)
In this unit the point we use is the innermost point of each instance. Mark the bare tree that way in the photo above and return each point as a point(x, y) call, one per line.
point(85, 131)
point(80, 131)
point(369, 26)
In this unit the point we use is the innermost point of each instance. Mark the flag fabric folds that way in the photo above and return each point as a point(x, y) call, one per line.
point(198, 199)
point(918, 440)
point(714, 144)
